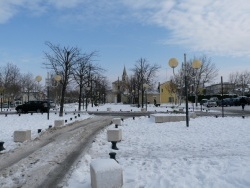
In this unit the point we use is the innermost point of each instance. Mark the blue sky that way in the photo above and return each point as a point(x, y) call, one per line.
point(122, 31)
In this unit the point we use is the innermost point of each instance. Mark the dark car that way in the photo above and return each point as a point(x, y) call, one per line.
point(226, 102)
point(236, 101)
point(33, 106)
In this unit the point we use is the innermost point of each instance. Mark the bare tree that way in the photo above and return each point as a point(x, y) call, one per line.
point(82, 70)
point(196, 78)
point(144, 74)
point(10, 78)
point(28, 84)
point(62, 60)
point(240, 81)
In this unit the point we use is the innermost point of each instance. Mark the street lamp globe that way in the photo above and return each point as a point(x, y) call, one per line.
point(145, 86)
point(57, 78)
point(38, 78)
point(196, 64)
point(173, 62)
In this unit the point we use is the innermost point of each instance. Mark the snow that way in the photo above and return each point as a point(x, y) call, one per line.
point(211, 152)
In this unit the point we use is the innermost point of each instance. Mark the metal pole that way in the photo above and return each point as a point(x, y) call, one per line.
point(146, 100)
point(186, 92)
point(48, 80)
point(222, 105)
point(1, 102)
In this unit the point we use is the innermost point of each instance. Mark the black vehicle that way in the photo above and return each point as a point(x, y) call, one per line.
point(236, 101)
point(33, 106)
point(226, 102)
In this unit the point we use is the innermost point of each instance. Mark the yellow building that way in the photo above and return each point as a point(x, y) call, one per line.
point(167, 93)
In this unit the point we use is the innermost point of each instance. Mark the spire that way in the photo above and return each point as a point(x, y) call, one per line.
point(124, 75)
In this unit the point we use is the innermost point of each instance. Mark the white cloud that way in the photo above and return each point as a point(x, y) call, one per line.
point(221, 26)
point(7, 10)
point(10, 8)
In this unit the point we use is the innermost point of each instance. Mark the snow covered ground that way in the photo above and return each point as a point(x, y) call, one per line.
point(212, 152)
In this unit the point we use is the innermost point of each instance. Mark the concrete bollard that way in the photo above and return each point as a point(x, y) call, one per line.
point(114, 136)
point(58, 123)
point(106, 173)
point(21, 136)
point(117, 121)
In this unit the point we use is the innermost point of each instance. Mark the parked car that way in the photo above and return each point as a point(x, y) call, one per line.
point(247, 99)
point(225, 102)
point(203, 101)
point(33, 106)
point(210, 103)
point(236, 101)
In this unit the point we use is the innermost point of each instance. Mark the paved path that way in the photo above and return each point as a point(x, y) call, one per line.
point(44, 161)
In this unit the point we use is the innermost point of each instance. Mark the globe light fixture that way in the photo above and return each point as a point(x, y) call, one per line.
point(196, 64)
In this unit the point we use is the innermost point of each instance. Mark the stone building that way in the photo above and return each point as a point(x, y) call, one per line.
point(120, 90)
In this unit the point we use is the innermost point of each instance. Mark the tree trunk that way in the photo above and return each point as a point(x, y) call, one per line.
point(62, 99)
point(80, 99)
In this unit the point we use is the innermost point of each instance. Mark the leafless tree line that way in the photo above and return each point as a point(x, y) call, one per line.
point(240, 82)
point(76, 69)
point(13, 82)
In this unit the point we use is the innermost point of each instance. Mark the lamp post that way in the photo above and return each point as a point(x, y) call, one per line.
point(38, 79)
point(133, 96)
point(1, 91)
point(49, 84)
point(145, 87)
point(196, 64)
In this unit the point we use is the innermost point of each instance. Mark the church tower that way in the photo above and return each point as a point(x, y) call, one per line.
point(124, 75)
